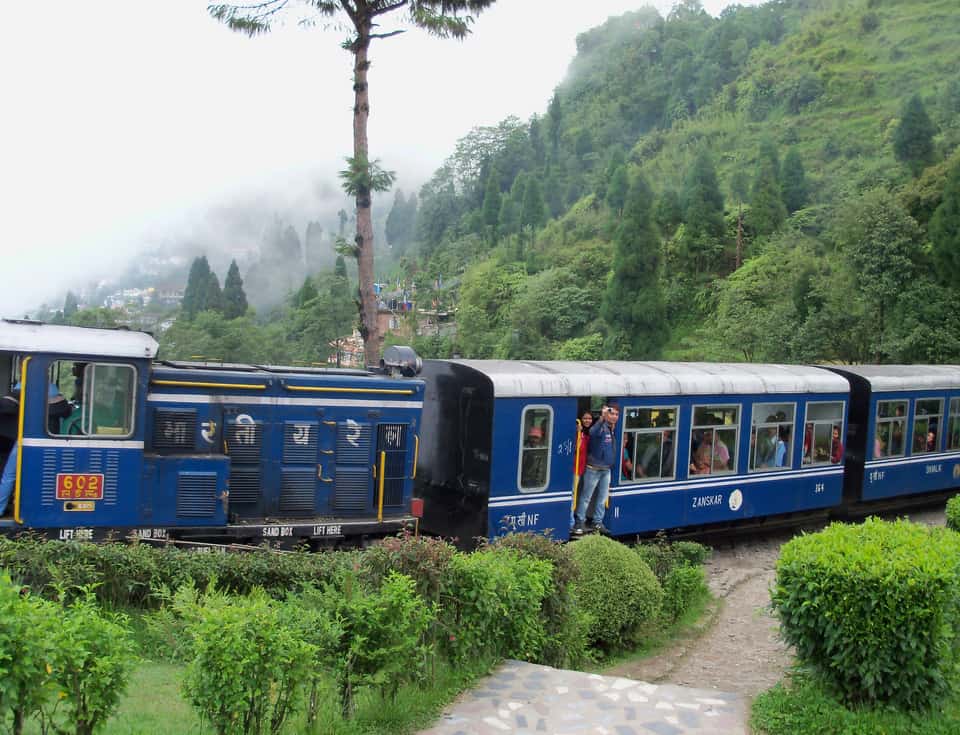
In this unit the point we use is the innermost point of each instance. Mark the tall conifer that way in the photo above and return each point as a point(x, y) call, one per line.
point(234, 298)
point(913, 137)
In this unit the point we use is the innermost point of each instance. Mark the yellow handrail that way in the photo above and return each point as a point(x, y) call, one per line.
point(416, 455)
point(576, 462)
point(328, 389)
point(194, 384)
point(17, 486)
point(383, 468)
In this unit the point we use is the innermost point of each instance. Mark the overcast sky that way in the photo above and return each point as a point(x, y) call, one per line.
point(125, 120)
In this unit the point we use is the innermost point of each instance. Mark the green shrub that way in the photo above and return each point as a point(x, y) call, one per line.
point(873, 609)
point(565, 624)
point(953, 513)
point(683, 585)
point(662, 556)
point(248, 665)
point(491, 606)
point(422, 558)
point(27, 629)
point(617, 589)
point(366, 638)
point(95, 652)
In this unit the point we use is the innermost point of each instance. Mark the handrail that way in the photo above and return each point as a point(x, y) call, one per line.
point(383, 470)
point(195, 384)
point(416, 455)
point(329, 389)
point(17, 486)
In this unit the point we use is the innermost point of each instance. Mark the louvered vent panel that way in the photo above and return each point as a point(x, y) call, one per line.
point(244, 442)
point(353, 443)
point(298, 491)
point(196, 494)
point(300, 442)
point(244, 485)
point(392, 440)
point(351, 490)
point(174, 430)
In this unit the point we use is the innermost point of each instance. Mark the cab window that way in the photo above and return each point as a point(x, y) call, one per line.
point(91, 399)
point(536, 426)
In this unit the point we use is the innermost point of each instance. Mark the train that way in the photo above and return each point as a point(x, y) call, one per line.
point(106, 440)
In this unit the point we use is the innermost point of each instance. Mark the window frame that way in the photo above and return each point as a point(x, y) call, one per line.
point(807, 420)
point(953, 416)
point(926, 417)
point(86, 419)
point(652, 430)
point(877, 420)
point(548, 444)
point(713, 427)
point(765, 424)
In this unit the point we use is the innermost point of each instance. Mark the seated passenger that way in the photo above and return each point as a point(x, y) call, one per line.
point(879, 445)
point(780, 450)
point(533, 472)
point(932, 440)
point(700, 463)
point(626, 465)
point(58, 408)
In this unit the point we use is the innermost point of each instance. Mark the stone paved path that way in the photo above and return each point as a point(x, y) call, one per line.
point(527, 698)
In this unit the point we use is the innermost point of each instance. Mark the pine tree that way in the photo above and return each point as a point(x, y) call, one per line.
point(555, 118)
point(491, 203)
point(702, 242)
point(69, 305)
point(767, 211)
point(305, 294)
point(633, 303)
point(913, 137)
point(534, 211)
point(793, 182)
point(234, 298)
point(213, 301)
point(617, 189)
point(340, 269)
point(198, 282)
point(944, 229)
point(536, 141)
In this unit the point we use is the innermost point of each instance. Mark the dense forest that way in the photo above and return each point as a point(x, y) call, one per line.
point(780, 183)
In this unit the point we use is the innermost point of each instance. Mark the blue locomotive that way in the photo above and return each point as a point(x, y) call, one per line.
point(99, 439)
point(198, 451)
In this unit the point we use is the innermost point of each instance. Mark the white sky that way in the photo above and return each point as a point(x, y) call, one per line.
point(123, 121)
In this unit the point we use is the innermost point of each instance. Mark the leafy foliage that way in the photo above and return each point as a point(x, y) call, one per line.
point(874, 609)
point(953, 513)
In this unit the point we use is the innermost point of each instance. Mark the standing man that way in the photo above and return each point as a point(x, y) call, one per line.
point(601, 456)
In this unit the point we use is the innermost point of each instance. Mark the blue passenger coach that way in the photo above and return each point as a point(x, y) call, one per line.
point(700, 443)
point(199, 451)
point(905, 430)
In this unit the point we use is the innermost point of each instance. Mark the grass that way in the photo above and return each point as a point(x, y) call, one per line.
point(800, 705)
point(153, 705)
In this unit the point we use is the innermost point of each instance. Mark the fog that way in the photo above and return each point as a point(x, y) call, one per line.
point(132, 126)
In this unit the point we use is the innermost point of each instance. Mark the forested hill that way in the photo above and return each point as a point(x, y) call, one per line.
point(779, 183)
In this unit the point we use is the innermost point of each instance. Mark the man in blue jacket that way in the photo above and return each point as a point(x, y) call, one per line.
point(601, 456)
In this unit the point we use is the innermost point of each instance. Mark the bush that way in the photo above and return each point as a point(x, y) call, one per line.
point(683, 585)
point(565, 624)
point(873, 609)
point(953, 513)
point(423, 559)
point(662, 556)
point(491, 606)
point(617, 589)
point(248, 665)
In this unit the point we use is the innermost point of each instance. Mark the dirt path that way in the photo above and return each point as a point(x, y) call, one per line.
point(736, 648)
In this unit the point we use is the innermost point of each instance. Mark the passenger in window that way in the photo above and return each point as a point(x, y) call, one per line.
point(879, 445)
point(836, 447)
point(931, 440)
point(703, 455)
point(626, 464)
point(807, 443)
point(58, 408)
point(780, 449)
point(666, 456)
point(721, 455)
point(601, 455)
point(767, 445)
point(534, 470)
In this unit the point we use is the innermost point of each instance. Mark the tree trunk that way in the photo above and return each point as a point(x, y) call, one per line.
point(364, 239)
point(740, 236)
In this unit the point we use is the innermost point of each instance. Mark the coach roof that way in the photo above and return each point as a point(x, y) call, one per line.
point(28, 336)
point(514, 379)
point(885, 378)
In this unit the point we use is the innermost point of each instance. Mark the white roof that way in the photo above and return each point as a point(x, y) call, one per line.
point(513, 379)
point(24, 336)
point(883, 378)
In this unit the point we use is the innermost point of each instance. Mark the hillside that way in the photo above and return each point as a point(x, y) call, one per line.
point(824, 131)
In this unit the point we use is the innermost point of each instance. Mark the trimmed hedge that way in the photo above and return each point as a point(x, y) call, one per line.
point(678, 567)
point(953, 513)
point(874, 609)
point(617, 589)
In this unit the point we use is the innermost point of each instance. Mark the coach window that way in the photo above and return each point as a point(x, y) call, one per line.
point(953, 431)
point(927, 422)
point(109, 391)
point(649, 448)
point(771, 436)
point(820, 446)
point(536, 425)
point(890, 430)
point(713, 441)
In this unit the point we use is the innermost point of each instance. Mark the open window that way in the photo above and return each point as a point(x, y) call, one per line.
point(100, 398)
point(771, 436)
point(713, 440)
point(823, 433)
point(953, 430)
point(927, 425)
point(891, 429)
point(536, 427)
point(649, 443)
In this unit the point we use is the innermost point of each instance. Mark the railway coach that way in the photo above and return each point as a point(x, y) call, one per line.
point(700, 443)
